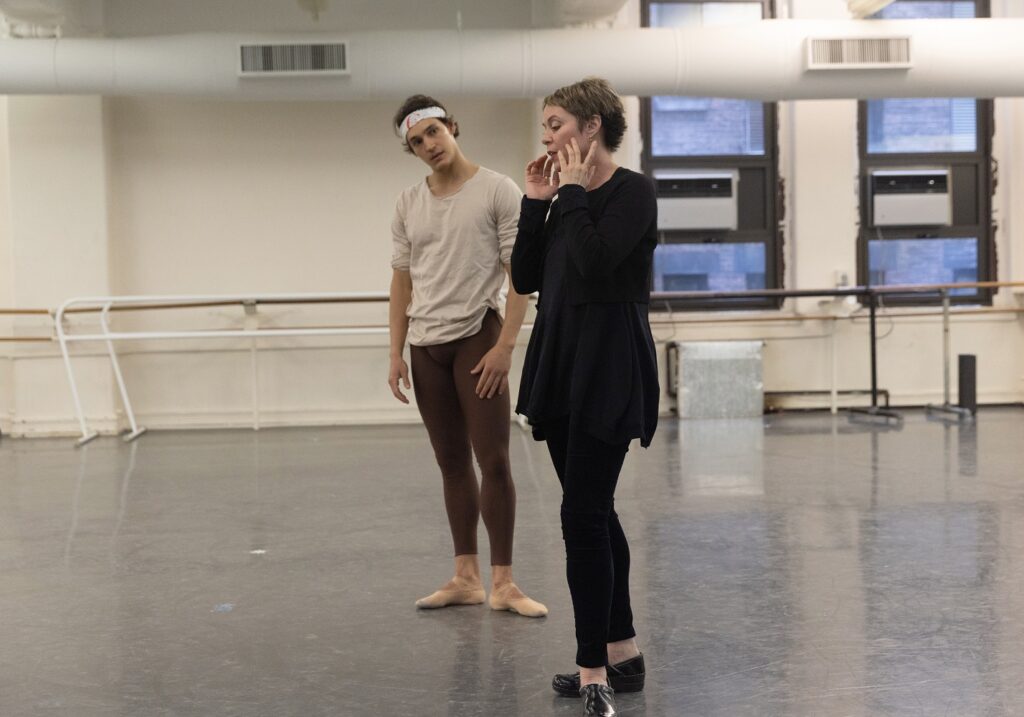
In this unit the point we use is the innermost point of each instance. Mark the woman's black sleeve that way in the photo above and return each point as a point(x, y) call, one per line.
point(597, 249)
point(528, 251)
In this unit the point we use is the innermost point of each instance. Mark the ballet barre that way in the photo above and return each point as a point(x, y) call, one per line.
point(24, 312)
point(872, 295)
point(105, 305)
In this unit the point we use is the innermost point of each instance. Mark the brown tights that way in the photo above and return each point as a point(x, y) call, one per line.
point(459, 424)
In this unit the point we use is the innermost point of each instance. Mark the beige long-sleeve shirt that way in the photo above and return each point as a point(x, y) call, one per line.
point(455, 249)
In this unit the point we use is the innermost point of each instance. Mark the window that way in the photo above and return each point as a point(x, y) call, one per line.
point(706, 126)
point(924, 261)
point(709, 267)
point(922, 125)
point(713, 137)
point(929, 9)
point(950, 137)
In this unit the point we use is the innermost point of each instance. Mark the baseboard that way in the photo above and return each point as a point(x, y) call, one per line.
point(274, 418)
point(60, 427)
point(171, 420)
point(817, 401)
point(50, 428)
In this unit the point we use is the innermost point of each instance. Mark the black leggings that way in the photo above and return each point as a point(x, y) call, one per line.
point(597, 554)
point(459, 424)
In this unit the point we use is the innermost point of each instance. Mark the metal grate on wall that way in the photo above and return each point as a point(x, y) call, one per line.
point(858, 53)
point(293, 60)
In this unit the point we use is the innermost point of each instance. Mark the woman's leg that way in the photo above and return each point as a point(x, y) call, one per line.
point(590, 476)
point(556, 436)
point(438, 402)
point(622, 645)
point(621, 636)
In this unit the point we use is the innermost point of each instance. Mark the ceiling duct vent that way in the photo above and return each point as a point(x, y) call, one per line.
point(284, 60)
point(858, 53)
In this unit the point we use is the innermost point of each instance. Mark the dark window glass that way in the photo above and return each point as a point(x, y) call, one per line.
point(709, 267)
point(681, 14)
point(924, 261)
point(922, 125)
point(915, 10)
point(705, 126)
point(905, 133)
point(715, 135)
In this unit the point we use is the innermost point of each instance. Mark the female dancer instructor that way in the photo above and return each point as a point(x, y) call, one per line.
point(452, 239)
point(590, 379)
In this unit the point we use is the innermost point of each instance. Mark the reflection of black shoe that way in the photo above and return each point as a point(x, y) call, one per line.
point(626, 676)
point(598, 701)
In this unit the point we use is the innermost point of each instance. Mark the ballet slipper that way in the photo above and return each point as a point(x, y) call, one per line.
point(509, 597)
point(445, 597)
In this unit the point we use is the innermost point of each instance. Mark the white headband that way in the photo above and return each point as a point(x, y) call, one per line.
point(417, 116)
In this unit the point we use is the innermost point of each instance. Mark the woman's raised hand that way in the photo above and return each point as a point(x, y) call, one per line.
point(541, 182)
point(575, 168)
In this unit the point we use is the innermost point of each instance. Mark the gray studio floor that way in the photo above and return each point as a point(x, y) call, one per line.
point(799, 565)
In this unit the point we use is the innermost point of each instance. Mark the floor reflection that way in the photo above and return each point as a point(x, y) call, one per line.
point(796, 565)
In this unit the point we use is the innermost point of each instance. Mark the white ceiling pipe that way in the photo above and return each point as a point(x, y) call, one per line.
point(761, 61)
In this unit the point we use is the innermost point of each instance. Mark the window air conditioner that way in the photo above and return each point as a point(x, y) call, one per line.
point(910, 197)
point(697, 199)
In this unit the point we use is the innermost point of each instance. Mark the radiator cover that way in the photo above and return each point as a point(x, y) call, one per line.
point(717, 379)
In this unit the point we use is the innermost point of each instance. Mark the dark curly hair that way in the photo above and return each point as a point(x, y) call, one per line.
point(593, 96)
point(419, 102)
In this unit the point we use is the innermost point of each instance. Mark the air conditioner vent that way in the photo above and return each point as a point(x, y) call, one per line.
point(699, 199)
point(911, 197)
point(293, 60)
point(858, 53)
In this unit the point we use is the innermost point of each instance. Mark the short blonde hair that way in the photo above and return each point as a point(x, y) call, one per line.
point(593, 96)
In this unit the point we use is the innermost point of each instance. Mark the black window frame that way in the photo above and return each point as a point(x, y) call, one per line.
point(771, 234)
point(962, 164)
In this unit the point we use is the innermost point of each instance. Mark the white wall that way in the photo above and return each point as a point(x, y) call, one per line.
point(178, 196)
point(275, 197)
point(227, 197)
point(6, 275)
point(6, 258)
point(57, 245)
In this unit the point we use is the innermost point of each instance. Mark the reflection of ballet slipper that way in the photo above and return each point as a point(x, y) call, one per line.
point(510, 598)
point(445, 597)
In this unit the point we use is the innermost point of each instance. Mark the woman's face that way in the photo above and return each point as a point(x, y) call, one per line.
point(560, 128)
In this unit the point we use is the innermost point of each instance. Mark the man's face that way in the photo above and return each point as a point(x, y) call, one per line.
point(431, 141)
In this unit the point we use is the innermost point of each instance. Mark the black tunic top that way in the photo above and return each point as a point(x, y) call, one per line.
point(589, 357)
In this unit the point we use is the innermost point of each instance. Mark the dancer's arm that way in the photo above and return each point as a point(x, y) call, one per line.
point(528, 252)
point(494, 367)
point(398, 323)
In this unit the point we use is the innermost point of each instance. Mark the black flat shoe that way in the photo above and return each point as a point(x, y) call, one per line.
point(626, 676)
point(598, 701)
